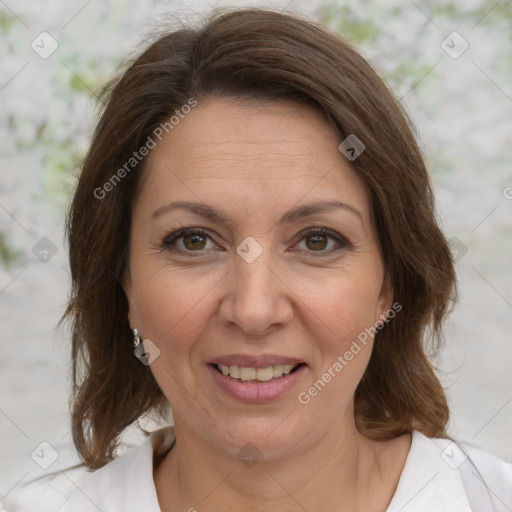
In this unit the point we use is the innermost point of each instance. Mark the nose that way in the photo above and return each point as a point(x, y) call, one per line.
point(257, 300)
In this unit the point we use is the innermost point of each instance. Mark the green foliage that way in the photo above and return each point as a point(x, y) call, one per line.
point(8, 256)
point(348, 24)
point(6, 22)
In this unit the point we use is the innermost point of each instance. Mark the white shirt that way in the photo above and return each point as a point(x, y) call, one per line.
point(437, 477)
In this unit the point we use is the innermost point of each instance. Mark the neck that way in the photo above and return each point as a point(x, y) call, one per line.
point(342, 471)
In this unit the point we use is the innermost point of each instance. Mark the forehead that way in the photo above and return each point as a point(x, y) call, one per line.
point(224, 148)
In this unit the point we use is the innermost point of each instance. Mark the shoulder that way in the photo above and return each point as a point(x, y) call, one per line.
point(442, 474)
point(124, 484)
point(492, 472)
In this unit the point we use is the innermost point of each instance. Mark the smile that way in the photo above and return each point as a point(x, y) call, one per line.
point(256, 384)
point(256, 374)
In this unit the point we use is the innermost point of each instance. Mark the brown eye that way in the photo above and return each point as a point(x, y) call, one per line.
point(187, 240)
point(322, 241)
point(317, 242)
point(194, 242)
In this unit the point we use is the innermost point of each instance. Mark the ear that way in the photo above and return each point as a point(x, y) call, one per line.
point(385, 300)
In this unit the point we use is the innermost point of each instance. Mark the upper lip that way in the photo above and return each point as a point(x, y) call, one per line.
point(250, 361)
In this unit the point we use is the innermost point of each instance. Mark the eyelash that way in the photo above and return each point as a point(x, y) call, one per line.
point(167, 242)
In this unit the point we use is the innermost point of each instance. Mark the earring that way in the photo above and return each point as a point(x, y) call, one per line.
point(136, 338)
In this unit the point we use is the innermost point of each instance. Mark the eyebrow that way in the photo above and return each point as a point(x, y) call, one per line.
point(290, 216)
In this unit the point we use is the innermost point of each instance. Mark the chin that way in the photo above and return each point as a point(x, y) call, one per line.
point(260, 438)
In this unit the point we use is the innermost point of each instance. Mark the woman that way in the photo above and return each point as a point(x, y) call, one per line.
point(255, 216)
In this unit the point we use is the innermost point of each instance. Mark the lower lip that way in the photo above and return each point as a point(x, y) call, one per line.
point(255, 391)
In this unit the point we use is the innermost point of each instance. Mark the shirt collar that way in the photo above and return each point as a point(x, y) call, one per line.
point(126, 483)
point(429, 480)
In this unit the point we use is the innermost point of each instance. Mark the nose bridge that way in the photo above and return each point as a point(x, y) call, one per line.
point(257, 296)
point(255, 276)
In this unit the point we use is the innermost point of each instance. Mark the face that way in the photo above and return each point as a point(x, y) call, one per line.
point(253, 253)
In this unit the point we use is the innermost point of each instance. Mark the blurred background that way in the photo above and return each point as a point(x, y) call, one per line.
point(449, 63)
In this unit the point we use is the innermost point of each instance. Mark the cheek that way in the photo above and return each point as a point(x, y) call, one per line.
point(346, 306)
point(172, 318)
point(171, 306)
point(343, 341)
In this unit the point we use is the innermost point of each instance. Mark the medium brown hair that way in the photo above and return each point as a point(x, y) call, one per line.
point(260, 55)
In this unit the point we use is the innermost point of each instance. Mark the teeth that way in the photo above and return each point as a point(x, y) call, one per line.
point(247, 373)
point(259, 374)
point(277, 370)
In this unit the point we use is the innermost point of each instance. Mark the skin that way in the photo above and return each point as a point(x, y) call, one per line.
point(197, 301)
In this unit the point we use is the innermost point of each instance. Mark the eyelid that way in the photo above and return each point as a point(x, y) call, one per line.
point(179, 232)
point(343, 242)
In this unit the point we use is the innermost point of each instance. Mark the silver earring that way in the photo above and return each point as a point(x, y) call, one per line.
point(136, 338)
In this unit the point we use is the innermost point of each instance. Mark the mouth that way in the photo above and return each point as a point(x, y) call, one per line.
point(256, 379)
point(253, 374)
